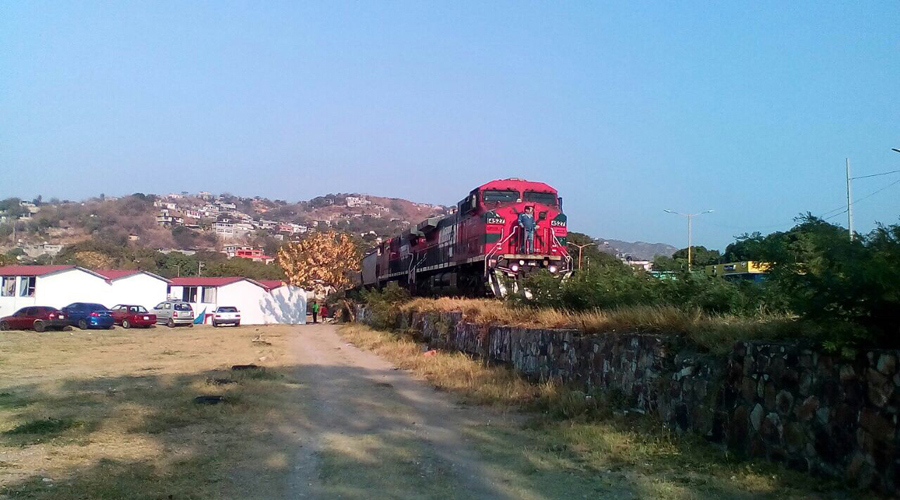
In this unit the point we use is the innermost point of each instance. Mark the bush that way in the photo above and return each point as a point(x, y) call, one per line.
point(611, 287)
point(384, 305)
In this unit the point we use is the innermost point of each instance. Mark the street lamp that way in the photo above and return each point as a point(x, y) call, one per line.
point(690, 218)
point(580, 248)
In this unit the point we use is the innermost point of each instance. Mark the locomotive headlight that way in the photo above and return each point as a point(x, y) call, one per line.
point(514, 268)
point(521, 262)
point(552, 269)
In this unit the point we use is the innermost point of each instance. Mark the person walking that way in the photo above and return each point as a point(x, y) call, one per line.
point(528, 225)
point(315, 311)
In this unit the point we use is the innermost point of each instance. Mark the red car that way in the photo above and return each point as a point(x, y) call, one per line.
point(39, 318)
point(130, 315)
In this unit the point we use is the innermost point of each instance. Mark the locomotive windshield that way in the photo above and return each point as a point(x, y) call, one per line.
point(499, 196)
point(548, 199)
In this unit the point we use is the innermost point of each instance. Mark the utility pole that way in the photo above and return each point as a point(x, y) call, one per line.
point(580, 248)
point(849, 202)
point(199, 268)
point(690, 218)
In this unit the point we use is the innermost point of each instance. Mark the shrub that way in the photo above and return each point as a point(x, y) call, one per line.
point(384, 305)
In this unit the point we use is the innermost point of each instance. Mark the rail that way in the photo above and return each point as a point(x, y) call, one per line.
point(493, 251)
point(564, 249)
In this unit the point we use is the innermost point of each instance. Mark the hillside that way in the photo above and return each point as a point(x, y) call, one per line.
point(638, 250)
point(38, 230)
point(199, 221)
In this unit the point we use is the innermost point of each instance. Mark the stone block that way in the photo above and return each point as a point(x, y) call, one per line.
point(881, 428)
point(756, 416)
point(771, 428)
point(807, 409)
point(794, 437)
point(784, 402)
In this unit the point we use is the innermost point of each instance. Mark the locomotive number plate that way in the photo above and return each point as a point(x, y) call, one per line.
point(496, 220)
point(558, 223)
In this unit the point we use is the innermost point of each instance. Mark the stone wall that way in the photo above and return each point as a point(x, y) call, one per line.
point(783, 401)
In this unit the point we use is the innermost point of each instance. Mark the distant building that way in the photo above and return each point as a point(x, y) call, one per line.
point(747, 270)
point(357, 201)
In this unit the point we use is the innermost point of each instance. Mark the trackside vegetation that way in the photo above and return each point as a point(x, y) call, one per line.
point(841, 294)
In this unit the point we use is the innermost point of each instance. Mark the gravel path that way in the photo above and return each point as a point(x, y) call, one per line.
point(372, 431)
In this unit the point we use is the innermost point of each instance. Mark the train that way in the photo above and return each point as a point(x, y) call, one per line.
point(481, 248)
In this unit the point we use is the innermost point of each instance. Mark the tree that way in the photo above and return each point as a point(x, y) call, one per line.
point(321, 261)
point(590, 254)
point(700, 256)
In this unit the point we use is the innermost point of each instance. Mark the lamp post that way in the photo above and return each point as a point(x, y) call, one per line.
point(580, 248)
point(690, 218)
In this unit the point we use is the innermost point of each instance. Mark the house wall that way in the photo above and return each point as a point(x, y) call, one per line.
point(285, 305)
point(74, 285)
point(140, 289)
point(9, 305)
point(248, 298)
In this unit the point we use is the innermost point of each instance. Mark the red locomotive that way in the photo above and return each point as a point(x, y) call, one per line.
point(501, 231)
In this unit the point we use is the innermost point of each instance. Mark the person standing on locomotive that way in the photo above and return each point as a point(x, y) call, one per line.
point(528, 225)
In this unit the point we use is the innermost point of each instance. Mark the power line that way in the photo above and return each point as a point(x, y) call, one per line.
point(878, 191)
point(824, 215)
point(875, 175)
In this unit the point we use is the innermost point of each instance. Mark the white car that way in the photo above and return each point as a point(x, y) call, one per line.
point(226, 315)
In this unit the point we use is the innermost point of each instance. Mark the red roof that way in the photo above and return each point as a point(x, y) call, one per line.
point(32, 270)
point(204, 281)
point(270, 284)
point(114, 274)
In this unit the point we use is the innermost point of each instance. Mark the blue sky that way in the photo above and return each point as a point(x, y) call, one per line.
point(629, 109)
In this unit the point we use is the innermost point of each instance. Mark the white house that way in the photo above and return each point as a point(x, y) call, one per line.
point(55, 286)
point(58, 286)
point(259, 303)
point(134, 288)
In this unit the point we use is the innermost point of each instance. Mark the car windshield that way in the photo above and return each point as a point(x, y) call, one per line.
point(181, 306)
point(228, 309)
point(548, 199)
point(499, 196)
point(95, 307)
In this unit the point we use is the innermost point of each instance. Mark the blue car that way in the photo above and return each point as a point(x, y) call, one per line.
point(85, 315)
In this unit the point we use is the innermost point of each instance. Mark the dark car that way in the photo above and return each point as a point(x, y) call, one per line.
point(87, 315)
point(38, 317)
point(132, 315)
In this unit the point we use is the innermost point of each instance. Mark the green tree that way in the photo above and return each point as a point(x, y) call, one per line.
point(700, 256)
point(591, 255)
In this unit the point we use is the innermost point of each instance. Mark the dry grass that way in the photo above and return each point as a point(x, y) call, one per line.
point(576, 447)
point(452, 372)
point(111, 414)
point(714, 332)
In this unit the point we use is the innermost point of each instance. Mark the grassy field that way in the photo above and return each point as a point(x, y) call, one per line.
point(111, 414)
point(568, 445)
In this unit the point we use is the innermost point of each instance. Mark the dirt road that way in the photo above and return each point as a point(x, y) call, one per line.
point(372, 431)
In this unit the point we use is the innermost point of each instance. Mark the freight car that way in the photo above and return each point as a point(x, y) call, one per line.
point(479, 249)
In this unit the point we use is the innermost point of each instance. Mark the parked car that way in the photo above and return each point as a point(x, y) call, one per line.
point(86, 315)
point(39, 318)
point(226, 315)
point(174, 312)
point(131, 315)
